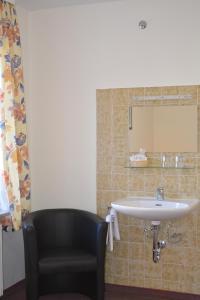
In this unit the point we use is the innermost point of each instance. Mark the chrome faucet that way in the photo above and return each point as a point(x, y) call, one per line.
point(160, 193)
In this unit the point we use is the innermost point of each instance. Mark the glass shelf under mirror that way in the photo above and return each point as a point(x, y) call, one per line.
point(160, 167)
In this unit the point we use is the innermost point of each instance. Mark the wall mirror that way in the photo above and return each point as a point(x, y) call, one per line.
point(164, 128)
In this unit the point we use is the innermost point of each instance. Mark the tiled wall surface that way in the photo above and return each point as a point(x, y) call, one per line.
point(131, 261)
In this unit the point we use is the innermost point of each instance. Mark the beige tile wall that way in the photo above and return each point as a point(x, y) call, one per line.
point(131, 261)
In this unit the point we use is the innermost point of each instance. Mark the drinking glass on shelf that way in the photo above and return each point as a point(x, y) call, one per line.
point(179, 161)
point(163, 160)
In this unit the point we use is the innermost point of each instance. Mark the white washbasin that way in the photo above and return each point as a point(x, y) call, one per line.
point(149, 208)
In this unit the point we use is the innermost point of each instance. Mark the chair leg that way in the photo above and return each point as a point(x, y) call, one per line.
point(100, 294)
point(100, 287)
point(32, 292)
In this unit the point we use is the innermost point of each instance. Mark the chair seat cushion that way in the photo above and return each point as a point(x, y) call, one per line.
point(60, 260)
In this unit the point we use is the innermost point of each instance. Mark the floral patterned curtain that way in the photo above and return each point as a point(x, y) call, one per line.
point(14, 164)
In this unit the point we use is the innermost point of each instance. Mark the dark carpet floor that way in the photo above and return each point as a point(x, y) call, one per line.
point(18, 293)
point(110, 295)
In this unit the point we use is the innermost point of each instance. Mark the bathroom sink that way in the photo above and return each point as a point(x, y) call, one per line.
point(149, 208)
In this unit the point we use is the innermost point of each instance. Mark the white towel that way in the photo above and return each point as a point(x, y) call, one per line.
point(113, 228)
point(115, 223)
point(109, 238)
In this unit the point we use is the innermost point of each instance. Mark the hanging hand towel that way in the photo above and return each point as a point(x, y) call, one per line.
point(109, 238)
point(115, 223)
point(113, 228)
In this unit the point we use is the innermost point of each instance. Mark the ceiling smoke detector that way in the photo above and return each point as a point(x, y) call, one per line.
point(142, 24)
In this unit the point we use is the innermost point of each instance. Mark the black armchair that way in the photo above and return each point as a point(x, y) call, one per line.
point(64, 252)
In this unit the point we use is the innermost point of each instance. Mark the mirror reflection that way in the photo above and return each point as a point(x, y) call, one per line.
point(164, 128)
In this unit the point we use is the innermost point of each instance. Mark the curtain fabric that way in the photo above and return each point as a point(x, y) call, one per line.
point(14, 162)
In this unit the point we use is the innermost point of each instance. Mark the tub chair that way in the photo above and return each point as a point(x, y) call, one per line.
point(64, 252)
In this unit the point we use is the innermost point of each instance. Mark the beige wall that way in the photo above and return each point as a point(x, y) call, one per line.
point(131, 261)
point(74, 51)
point(71, 52)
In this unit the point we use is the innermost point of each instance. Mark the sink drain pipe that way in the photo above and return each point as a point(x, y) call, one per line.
point(157, 245)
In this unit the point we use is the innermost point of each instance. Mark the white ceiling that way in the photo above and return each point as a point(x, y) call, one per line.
point(44, 4)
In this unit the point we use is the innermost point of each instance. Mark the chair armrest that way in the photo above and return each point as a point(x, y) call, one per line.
point(93, 230)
